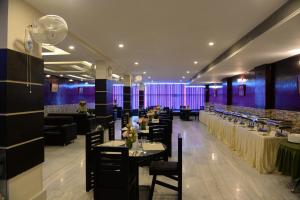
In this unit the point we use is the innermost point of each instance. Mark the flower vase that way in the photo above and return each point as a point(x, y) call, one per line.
point(128, 144)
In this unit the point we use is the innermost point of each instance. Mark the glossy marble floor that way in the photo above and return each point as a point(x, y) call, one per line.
point(210, 171)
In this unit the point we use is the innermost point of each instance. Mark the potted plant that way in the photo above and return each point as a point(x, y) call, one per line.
point(143, 123)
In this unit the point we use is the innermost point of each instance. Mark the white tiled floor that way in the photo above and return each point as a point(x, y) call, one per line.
point(210, 171)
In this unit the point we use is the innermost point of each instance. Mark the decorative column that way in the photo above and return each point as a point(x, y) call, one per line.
point(104, 97)
point(127, 94)
point(141, 97)
point(21, 107)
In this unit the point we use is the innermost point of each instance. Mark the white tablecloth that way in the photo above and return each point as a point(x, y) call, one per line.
point(258, 150)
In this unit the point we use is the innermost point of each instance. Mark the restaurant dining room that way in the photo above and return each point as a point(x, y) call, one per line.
point(149, 100)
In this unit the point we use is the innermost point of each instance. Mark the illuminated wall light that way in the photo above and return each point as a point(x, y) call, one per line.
point(242, 80)
point(211, 43)
point(215, 86)
point(121, 46)
point(118, 96)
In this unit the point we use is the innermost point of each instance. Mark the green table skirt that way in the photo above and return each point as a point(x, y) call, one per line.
point(288, 159)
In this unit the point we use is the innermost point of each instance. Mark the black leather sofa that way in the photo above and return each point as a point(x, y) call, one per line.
point(59, 130)
point(85, 123)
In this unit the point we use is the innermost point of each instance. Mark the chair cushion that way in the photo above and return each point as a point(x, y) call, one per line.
point(163, 168)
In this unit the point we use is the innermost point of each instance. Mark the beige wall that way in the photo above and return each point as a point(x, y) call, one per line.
point(20, 15)
point(3, 23)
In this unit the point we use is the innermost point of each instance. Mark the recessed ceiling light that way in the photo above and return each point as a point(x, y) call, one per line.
point(71, 80)
point(61, 75)
point(144, 72)
point(149, 77)
point(183, 77)
point(71, 47)
point(211, 43)
point(121, 46)
point(136, 63)
point(187, 71)
point(48, 76)
point(195, 62)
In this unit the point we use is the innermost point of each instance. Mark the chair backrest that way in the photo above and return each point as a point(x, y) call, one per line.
point(92, 139)
point(158, 133)
point(112, 173)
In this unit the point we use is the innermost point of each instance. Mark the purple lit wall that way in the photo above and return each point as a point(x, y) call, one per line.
point(216, 94)
point(173, 95)
point(68, 93)
point(194, 96)
point(118, 94)
point(134, 97)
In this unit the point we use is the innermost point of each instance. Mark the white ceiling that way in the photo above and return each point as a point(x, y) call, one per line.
point(276, 44)
point(164, 36)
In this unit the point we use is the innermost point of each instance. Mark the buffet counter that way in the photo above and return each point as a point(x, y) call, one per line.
point(259, 150)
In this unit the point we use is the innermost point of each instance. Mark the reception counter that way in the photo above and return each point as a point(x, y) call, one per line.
point(258, 150)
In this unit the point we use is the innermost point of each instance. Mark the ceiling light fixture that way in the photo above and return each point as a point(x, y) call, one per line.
point(53, 50)
point(71, 47)
point(78, 77)
point(187, 71)
point(121, 46)
point(86, 83)
point(144, 72)
point(183, 77)
point(70, 80)
point(136, 63)
point(48, 76)
point(195, 62)
point(211, 43)
point(149, 77)
point(61, 75)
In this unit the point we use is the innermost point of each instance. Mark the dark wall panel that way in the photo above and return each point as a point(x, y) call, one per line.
point(16, 98)
point(286, 87)
point(24, 157)
point(20, 128)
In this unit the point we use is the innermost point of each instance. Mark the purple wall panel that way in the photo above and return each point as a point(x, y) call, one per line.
point(216, 95)
point(68, 93)
point(286, 87)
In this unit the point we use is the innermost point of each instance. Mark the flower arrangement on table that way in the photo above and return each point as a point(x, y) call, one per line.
point(130, 135)
point(143, 123)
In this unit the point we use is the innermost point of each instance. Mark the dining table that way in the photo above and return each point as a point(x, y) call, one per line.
point(258, 148)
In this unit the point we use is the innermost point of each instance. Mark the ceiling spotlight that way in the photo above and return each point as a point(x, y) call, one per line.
point(195, 62)
point(187, 71)
point(211, 43)
point(144, 72)
point(61, 75)
point(136, 63)
point(121, 46)
point(70, 80)
point(71, 47)
point(149, 77)
point(183, 77)
point(48, 76)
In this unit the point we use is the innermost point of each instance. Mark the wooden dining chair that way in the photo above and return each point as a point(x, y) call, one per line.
point(114, 178)
point(172, 170)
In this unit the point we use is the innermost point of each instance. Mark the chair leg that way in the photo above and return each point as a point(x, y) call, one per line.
point(180, 188)
point(152, 187)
